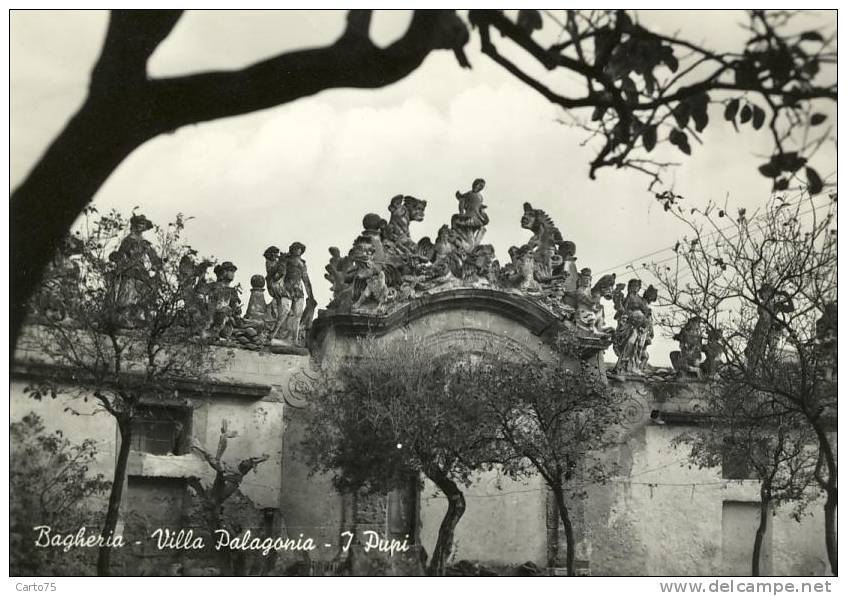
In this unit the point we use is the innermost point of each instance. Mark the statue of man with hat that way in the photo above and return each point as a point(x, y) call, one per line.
point(224, 302)
point(136, 265)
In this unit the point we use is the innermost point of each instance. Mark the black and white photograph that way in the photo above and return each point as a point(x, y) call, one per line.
point(423, 292)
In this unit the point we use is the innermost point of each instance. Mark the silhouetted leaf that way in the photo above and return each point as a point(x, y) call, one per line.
point(814, 181)
point(731, 109)
point(529, 20)
point(758, 117)
point(769, 170)
point(681, 113)
point(817, 119)
point(598, 113)
point(746, 114)
point(629, 89)
point(780, 184)
point(649, 138)
point(680, 140)
point(671, 61)
point(811, 36)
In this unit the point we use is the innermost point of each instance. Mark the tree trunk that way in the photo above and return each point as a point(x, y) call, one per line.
point(455, 510)
point(760, 533)
point(43, 208)
point(830, 508)
point(830, 519)
point(105, 554)
point(570, 540)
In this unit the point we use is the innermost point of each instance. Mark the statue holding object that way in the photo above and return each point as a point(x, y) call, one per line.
point(687, 360)
point(635, 327)
point(136, 264)
point(469, 223)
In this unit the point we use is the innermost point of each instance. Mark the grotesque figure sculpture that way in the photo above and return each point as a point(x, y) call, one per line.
point(544, 241)
point(293, 300)
point(635, 327)
point(772, 302)
point(712, 350)
point(520, 272)
point(686, 361)
point(396, 236)
point(339, 272)
point(590, 314)
point(585, 317)
point(193, 288)
point(136, 266)
point(60, 280)
point(224, 302)
point(469, 223)
point(275, 278)
point(567, 252)
point(602, 290)
point(374, 226)
point(481, 265)
point(369, 278)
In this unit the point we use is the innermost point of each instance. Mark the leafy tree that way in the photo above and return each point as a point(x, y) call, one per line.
point(122, 327)
point(748, 429)
point(559, 420)
point(386, 417)
point(50, 484)
point(764, 286)
point(642, 88)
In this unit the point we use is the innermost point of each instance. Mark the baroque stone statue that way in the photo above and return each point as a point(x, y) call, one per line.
point(712, 351)
point(136, 264)
point(469, 223)
point(767, 329)
point(224, 302)
point(295, 290)
point(544, 242)
point(590, 314)
point(396, 236)
point(686, 361)
point(634, 331)
point(193, 288)
point(61, 279)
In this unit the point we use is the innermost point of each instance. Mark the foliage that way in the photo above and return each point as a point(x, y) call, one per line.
point(122, 349)
point(554, 419)
point(644, 88)
point(385, 417)
point(118, 321)
point(388, 412)
point(560, 420)
point(764, 286)
point(50, 484)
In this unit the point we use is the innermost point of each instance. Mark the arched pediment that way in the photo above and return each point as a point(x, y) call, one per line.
point(459, 311)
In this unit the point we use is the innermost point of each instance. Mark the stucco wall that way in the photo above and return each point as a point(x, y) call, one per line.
point(504, 521)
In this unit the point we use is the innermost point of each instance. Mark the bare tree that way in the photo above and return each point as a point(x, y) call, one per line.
point(764, 286)
point(748, 430)
point(641, 87)
point(227, 481)
point(116, 323)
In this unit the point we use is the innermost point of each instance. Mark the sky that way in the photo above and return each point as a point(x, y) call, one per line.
point(309, 170)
